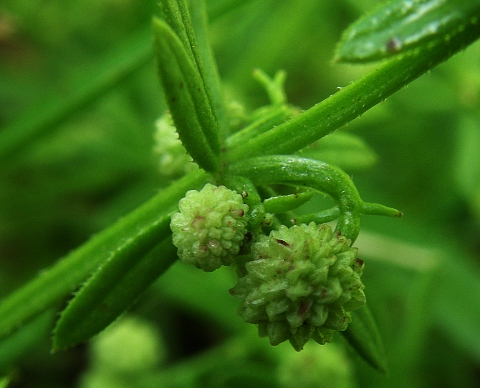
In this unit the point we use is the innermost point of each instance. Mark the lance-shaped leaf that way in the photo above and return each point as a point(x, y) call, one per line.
point(186, 98)
point(113, 288)
point(285, 203)
point(363, 335)
point(209, 72)
point(400, 26)
point(52, 285)
point(191, 28)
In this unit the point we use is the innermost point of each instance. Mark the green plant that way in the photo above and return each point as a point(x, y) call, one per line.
point(263, 167)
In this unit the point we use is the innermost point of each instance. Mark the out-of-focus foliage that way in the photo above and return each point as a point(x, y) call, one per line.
point(422, 272)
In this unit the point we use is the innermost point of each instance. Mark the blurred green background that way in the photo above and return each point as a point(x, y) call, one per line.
point(79, 97)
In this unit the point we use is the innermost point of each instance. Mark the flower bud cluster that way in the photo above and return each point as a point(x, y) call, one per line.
point(210, 227)
point(302, 282)
point(173, 159)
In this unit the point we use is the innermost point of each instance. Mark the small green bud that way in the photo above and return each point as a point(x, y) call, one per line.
point(317, 366)
point(302, 282)
point(173, 159)
point(130, 345)
point(210, 227)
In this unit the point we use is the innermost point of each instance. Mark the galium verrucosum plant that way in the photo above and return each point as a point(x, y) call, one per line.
point(315, 289)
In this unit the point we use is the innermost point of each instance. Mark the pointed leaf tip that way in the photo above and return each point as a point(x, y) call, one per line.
point(363, 335)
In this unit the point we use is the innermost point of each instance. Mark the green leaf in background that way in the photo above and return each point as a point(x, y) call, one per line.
point(456, 303)
point(30, 128)
point(467, 174)
point(186, 97)
point(363, 335)
point(343, 149)
point(400, 26)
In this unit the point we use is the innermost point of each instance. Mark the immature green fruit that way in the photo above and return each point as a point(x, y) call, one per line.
point(210, 227)
point(303, 282)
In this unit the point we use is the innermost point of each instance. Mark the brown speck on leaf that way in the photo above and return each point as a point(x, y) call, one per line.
point(393, 45)
point(282, 242)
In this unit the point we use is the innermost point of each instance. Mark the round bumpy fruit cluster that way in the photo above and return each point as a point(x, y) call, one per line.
point(302, 282)
point(210, 227)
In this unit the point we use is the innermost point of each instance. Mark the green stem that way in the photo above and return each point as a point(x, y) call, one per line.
point(351, 101)
point(64, 277)
point(311, 173)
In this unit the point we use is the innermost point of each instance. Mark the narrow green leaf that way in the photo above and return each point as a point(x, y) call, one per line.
point(352, 100)
point(191, 28)
point(19, 343)
point(400, 26)
point(285, 203)
point(322, 217)
point(186, 98)
point(363, 335)
point(54, 284)
point(188, 27)
point(208, 70)
point(114, 287)
point(175, 13)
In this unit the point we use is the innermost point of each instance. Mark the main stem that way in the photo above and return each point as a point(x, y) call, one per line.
point(352, 100)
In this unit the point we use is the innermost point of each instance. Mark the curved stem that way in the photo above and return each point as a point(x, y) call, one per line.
point(311, 173)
